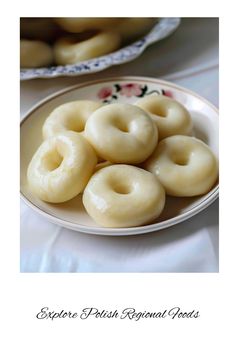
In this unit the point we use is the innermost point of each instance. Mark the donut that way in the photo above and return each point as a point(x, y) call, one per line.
point(34, 54)
point(70, 50)
point(61, 167)
point(123, 196)
point(69, 116)
point(184, 165)
point(121, 133)
point(171, 117)
point(80, 24)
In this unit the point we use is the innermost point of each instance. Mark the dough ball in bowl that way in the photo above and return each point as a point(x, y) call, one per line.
point(123, 196)
point(61, 167)
point(122, 133)
point(184, 165)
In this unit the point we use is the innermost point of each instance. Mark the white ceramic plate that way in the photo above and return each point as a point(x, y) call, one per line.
point(163, 28)
point(72, 214)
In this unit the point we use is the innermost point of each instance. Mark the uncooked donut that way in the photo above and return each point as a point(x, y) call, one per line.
point(69, 116)
point(61, 167)
point(184, 165)
point(69, 50)
point(34, 54)
point(123, 196)
point(121, 133)
point(171, 117)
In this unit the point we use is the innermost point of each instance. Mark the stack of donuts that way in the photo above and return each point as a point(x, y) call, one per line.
point(123, 158)
point(69, 40)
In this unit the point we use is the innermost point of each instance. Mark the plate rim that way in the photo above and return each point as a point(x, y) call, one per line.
point(96, 230)
point(115, 78)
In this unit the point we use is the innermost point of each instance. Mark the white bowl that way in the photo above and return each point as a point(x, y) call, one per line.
point(72, 214)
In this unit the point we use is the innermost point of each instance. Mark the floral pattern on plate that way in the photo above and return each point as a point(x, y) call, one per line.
point(108, 94)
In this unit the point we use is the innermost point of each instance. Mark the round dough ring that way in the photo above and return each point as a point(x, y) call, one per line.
point(171, 117)
point(121, 133)
point(184, 165)
point(123, 196)
point(71, 116)
point(68, 50)
point(61, 167)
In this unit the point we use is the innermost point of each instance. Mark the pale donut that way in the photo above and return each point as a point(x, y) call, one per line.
point(34, 54)
point(69, 51)
point(69, 116)
point(80, 24)
point(123, 196)
point(61, 167)
point(184, 165)
point(171, 117)
point(121, 133)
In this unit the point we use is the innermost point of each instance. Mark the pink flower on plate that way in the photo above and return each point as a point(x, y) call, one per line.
point(130, 90)
point(104, 93)
point(168, 93)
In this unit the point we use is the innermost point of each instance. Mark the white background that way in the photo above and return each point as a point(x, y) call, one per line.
point(24, 294)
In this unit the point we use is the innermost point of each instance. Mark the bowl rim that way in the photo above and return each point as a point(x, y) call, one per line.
point(97, 230)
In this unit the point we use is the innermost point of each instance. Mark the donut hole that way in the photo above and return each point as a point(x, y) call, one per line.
point(122, 126)
point(180, 159)
point(159, 111)
point(52, 160)
point(75, 124)
point(121, 188)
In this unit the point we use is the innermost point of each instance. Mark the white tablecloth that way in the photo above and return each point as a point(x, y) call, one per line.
point(189, 58)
